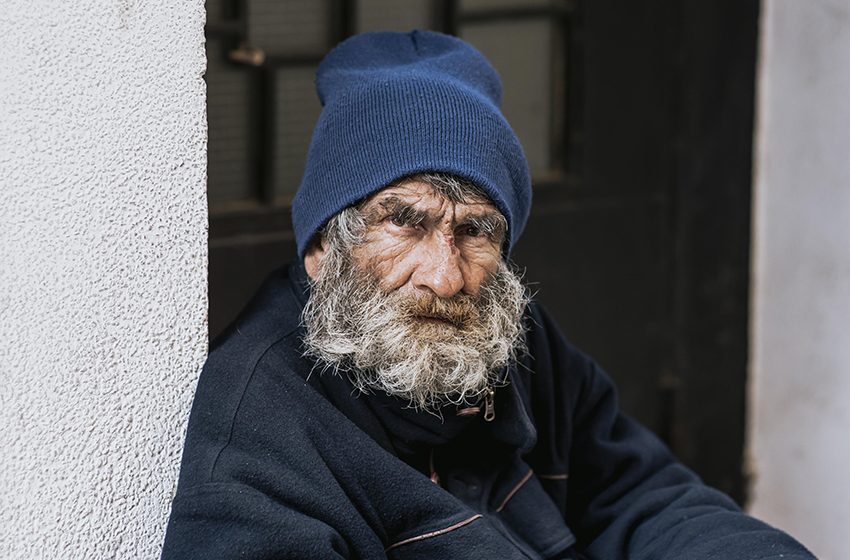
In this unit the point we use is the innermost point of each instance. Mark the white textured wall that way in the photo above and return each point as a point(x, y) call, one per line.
point(102, 269)
point(800, 383)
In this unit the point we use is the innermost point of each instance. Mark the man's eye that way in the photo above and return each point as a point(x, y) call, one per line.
point(399, 221)
point(471, 231)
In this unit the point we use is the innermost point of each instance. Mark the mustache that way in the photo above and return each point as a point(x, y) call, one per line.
point(461, 311)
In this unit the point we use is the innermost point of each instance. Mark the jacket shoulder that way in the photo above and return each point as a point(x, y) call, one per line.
point(256, 357)
point(552, 367)
point(552, 375)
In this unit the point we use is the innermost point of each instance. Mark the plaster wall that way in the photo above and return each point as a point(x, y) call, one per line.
point(102, 269)
point(800, 376)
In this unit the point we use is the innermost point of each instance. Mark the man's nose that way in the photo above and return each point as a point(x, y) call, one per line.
point(440, 270)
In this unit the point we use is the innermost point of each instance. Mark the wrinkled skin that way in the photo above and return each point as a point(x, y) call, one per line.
point(420, 241)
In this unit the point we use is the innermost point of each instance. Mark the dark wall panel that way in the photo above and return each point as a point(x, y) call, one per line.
point(717, 89)
point(237, 268)
point(600, 270)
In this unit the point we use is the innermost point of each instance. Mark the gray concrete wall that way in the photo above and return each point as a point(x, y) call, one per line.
point(102, 269)
point(800, 377)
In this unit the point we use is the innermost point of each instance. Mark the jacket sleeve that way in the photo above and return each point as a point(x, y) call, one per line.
point(627, 495)
point(225, 521)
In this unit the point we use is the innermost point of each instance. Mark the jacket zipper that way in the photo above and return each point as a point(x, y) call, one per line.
point(489, 405)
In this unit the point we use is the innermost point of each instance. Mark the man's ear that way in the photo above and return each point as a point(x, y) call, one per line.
point(314, 255)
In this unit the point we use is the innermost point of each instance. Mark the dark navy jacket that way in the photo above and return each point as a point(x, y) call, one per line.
point(283, 461)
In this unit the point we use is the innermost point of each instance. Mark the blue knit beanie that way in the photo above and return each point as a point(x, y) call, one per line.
point(396, 104)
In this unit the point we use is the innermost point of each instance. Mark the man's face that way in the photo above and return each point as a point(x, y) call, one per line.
point(420, 241)
point(418, 303)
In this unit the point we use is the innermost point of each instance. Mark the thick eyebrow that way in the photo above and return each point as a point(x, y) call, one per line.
point(491, 224)
point(394, 206)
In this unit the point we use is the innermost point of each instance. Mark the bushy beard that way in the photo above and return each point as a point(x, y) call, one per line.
point(425, 349)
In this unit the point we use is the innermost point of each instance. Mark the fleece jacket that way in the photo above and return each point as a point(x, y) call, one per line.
point(285, 460)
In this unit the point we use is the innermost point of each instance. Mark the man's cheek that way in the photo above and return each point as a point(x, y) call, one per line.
point(390, 263)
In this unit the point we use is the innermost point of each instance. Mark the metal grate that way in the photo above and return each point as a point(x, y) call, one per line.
point(284, 27)
point(521, 52)
point(228, 99)
point(216, 10)
point(297, 109)
point(392, 15)
point(505, 4)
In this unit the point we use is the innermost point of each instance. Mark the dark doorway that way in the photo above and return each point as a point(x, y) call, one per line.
point(637, 121)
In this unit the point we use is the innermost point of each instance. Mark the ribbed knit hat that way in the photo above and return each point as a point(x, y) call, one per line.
point(396, 104)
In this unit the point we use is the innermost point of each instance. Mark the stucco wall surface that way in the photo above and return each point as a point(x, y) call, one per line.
point(102, 269)
point(800, 382)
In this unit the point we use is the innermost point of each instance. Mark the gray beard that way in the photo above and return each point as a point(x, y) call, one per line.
point(425, 349)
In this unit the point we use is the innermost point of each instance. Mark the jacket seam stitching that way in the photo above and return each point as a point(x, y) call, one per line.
point(554, 476)
point(515, 489)
point(436, 533)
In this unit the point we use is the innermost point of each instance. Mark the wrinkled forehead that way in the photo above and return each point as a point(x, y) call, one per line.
point(429, 197)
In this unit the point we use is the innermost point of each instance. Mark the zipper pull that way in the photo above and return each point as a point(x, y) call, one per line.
point(489, 405)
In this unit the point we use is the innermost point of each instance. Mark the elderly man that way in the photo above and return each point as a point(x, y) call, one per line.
point(394, 393)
